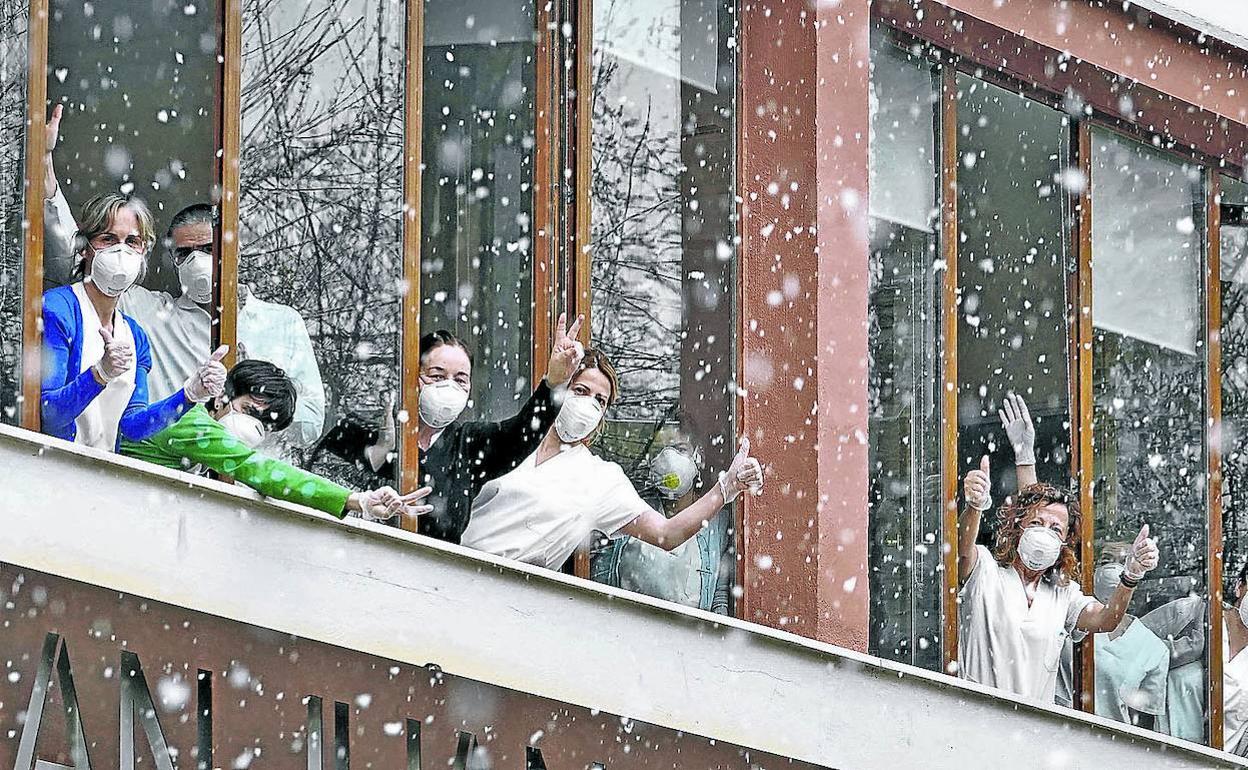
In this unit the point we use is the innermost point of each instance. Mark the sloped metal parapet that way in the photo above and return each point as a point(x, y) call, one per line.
point(218, 550)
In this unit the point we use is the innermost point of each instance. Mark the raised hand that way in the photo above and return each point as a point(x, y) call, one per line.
point(51, 134)
point(567, 352)
point(977, 486)
point(1018, 427)
point(1144, 555)
point(744, 472)
point(118, 359)
point(208, 381)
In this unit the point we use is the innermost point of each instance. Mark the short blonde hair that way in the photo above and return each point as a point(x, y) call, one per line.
point(97, 216)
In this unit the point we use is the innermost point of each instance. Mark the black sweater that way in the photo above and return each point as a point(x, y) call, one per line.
point(461, 461)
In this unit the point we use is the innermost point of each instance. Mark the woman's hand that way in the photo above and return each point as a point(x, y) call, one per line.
point(743, 473)
point(118, 359)
point(1016, 419)
point(567, 353)
point(382, 503)
point(977, 487)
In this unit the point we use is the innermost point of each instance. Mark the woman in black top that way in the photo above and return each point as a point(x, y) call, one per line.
point(458, 458)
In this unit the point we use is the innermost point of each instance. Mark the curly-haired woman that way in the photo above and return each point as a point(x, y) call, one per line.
point(1021, 600)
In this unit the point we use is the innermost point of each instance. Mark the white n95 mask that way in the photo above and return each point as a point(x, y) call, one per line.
point(441, 403)
point(115, 269)
point(244, 427)
point(1039, 548)
point(1105, 581)
point(577, 418)
point(195, 275)
point(673, 472)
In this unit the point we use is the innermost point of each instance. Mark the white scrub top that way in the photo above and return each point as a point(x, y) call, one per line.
point(1234, 692)
point(1131, 673)
point(539, 514)
point(1004, 643)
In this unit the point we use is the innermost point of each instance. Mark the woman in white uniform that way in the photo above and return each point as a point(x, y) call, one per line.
point(1235, 669)
point(1020, 601)
point(541, 511)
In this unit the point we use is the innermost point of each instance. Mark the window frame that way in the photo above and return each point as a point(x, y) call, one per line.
point(952, 58)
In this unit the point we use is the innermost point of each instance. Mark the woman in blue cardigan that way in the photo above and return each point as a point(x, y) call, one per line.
point(96, 359)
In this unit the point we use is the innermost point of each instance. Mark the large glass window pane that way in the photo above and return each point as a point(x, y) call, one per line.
point(477, 231)
point(663, 265)
point(1148, 387)
point(138, 85)
point(1234, 284)
point(1013, 257)
point(13, 17)
point(904, 347)
point(320, 242)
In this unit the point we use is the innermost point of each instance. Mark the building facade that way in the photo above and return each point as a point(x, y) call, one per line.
point(845, 230)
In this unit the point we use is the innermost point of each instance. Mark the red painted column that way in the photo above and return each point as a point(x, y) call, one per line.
point(803, 147)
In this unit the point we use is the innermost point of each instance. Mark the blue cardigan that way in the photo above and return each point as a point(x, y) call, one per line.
point(65, 393)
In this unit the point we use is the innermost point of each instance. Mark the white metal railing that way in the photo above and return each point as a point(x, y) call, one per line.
point(203, 545)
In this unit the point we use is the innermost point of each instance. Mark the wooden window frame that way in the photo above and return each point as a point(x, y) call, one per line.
point(32, 266)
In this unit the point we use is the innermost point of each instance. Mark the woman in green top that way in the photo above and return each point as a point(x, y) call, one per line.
point(223, 434)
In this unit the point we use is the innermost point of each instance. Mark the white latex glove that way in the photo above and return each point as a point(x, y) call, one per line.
point(118, 359)
point(1022, 434)
point(743, 473)
point(977, 487)
point(208, 381)
point(382, 503)
point(1144, 555)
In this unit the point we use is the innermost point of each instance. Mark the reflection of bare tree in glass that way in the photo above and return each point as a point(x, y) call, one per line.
point(13, 17)
point(637, 256)
point(1234, 402)
point(322, 157)
point(1149, 448)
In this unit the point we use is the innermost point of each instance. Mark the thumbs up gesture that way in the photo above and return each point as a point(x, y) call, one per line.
point(208, 381)
point(743, 473)
point(977, 486)
point(1144, 555)
point(118, 359)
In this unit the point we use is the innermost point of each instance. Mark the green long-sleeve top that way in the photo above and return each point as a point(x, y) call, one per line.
point(198, 439)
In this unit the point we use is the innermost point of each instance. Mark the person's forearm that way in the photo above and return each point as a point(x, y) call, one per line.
point(1026, 475)
point(968, 531)
point(1102, 618)
point(690, 521)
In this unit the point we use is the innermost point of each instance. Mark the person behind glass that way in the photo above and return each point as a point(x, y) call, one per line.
point(1020, 601)
point(1235, 668)
point(1132, 664)
point(180, 328)
point(96, 359)
point(224, 434)
point(697, 573)
point(456, 458)
point(562, 492)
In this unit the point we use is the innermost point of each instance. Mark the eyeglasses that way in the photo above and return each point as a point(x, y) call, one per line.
point(182, 253)
point(108, 240)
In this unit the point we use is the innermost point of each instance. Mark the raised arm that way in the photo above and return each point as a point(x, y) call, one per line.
point(1102, 618)
point(744, 473)
point(976, 489)
point(1016, 419)
point(58, 219)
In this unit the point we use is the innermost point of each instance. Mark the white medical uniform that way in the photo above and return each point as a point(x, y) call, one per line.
point(1234, 692)
point(539, 514)
point(1131, 673)
point(1003, 642)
